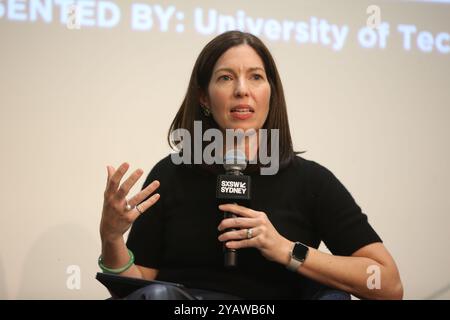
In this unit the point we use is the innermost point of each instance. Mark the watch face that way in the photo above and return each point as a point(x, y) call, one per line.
point(300, 251)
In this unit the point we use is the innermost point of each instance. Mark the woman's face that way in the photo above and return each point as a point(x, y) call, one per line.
point(238, 91)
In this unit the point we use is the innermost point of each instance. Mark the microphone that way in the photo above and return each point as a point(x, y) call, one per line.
point(233, 186)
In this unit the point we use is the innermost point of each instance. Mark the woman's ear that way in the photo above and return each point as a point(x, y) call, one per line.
point(204, 99)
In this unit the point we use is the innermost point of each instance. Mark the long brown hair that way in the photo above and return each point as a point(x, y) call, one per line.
point(190, 109)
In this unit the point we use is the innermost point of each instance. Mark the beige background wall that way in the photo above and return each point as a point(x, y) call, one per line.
point(73, 101)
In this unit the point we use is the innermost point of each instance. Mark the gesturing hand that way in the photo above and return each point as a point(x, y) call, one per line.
point(117, 217)
point(256, 231)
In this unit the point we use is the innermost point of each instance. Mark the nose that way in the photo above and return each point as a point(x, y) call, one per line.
point(241, 89)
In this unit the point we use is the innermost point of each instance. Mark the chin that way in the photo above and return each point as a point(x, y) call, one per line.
point(242, 125)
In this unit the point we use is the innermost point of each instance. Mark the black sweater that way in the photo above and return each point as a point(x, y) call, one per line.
point(304, 201)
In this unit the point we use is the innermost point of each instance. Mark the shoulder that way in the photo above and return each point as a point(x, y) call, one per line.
point(324, 184)
point(162, 170)
point(163, 165)
point(315, 177)
point(311, 170)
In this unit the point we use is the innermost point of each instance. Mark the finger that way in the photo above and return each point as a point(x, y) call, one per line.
point(237, 209)
point(237, 235)
point(144, 206)
point(129, 183)
point(108, 174)
point(247, 243)
point(141, 196)
point(237, 223)
point(109, 170)
point(116, 177)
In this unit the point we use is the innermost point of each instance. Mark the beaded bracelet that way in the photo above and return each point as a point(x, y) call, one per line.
point(118, 270)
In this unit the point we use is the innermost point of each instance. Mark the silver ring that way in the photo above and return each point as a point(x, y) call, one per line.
point(138, 210)
point(249, 233)
point(128, 207)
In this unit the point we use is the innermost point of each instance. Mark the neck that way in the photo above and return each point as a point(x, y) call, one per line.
point(248, 145)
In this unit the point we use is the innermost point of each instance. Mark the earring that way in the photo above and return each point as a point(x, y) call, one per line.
point(205, 110)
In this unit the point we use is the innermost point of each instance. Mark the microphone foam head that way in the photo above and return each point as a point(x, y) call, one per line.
point(234, 160)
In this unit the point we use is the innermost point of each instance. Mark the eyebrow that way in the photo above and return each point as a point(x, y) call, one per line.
point(232, 71)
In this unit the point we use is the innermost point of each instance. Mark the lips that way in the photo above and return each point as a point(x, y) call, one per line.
point(242, 112)
point(242, 109)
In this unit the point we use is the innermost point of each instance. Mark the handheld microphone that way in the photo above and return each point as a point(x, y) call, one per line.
point(234, 186)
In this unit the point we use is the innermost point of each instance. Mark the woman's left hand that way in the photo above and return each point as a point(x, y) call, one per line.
point(256, 231)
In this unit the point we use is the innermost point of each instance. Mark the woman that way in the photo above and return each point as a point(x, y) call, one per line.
point(178, 234)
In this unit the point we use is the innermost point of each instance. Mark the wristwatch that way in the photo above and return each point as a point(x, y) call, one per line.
point(298, 255)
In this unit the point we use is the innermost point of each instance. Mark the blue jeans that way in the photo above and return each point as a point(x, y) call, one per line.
point(168, 292)
point(315, 291)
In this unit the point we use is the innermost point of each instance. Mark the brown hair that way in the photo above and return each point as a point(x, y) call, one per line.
point(190, 109)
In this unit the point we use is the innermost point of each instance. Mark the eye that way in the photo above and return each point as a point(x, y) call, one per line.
point(257, 76)
point(225, 77)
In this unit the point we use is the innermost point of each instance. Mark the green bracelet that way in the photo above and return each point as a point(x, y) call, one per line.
point(118, 270)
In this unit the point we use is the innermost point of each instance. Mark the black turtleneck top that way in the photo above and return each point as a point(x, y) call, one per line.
point(304, 201)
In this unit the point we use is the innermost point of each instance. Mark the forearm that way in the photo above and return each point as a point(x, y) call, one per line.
point(350, 274)
point(115, 255)
point(345, 273)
